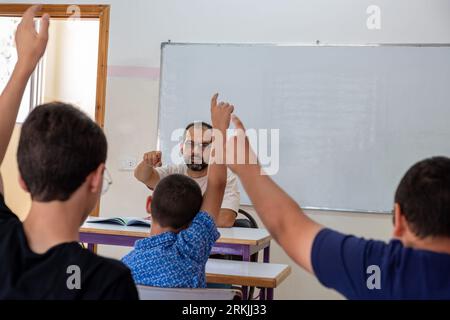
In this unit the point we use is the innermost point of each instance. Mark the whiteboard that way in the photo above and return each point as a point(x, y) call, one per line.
point(351, 119)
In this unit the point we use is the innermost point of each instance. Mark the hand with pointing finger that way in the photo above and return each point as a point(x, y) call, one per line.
point(29, 43)
point(220, 114)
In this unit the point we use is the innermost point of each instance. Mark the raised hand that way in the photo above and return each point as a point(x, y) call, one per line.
point(239, 152)
point(220, 114)
point(30, 48)
point(153, 159)
point(29, 43)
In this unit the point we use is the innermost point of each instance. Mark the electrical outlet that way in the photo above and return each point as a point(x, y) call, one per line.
point(127, 163)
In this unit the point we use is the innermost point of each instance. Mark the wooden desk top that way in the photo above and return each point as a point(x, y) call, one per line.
point(253, 274)
point(244, 236)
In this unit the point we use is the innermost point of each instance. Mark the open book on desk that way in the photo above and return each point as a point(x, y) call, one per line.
point(124, 221)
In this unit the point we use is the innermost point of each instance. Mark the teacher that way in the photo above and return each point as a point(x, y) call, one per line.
point(195, 149)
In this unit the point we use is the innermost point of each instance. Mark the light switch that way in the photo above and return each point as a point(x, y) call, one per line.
point(127, 163)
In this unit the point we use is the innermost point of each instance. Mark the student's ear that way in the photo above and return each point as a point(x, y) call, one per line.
point(399, 222)
point(148, 205)
point(22, 184)
point(95, 179)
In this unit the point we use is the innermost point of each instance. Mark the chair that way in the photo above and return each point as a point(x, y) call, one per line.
point(157, 293)
point(248, 222)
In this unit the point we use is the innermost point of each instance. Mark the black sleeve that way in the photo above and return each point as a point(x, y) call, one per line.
point(121, 289)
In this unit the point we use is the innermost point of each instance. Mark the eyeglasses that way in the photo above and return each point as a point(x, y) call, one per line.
point(191, 144)
point(107, 181)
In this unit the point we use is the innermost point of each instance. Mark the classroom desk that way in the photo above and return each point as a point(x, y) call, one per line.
point(243, 242)
point(266, 276)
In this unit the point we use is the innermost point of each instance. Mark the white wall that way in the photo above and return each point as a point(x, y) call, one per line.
point(71, 63)
point(139, 26)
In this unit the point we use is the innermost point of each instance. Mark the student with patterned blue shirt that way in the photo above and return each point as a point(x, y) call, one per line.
point(183, 228)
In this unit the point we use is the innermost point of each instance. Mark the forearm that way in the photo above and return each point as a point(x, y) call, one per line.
point(217, 181)
point(217, 171)
point(145, 174)
point(30, 47)
point(217, 175)
point(9, 105)
point(226, 218)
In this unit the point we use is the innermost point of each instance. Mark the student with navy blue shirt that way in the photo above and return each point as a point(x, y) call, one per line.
point(414, 265)
point(183, 229)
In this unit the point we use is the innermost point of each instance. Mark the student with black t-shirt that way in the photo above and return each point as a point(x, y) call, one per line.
point(61, 158)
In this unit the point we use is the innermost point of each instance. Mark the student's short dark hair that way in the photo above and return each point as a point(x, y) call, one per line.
point(176, 201)
point(424, 197)
point(203, 124)
point(59, 147)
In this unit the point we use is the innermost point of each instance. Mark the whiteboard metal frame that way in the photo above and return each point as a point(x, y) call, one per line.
point(316, 44)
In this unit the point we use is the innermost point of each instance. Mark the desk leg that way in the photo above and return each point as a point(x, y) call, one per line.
point(244, 293)
point(269, 293)
point(246, 253)
point(262, 294)
point(245, 257)
point(267, 254)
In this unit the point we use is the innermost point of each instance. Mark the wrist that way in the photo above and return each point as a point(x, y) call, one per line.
point(250, 170)
point(24, 69)
point(219, 136)
point(223, 131)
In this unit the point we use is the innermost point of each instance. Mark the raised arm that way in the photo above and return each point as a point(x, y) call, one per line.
point(217, 171)
point(30, 48)
point(281, 215)
point(145, 172)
